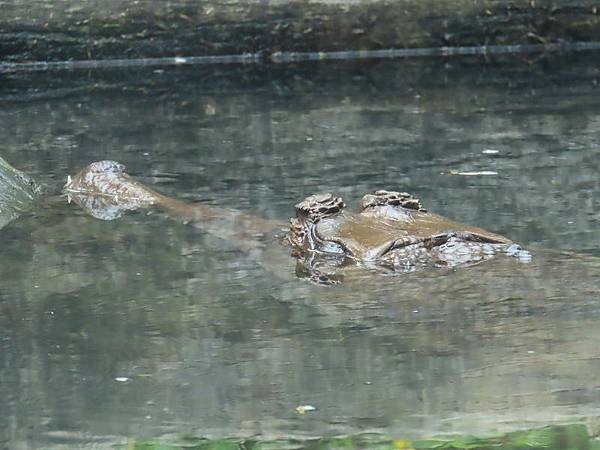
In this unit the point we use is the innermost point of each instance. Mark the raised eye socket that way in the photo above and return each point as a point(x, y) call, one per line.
point(319, 206)
point(392, 198)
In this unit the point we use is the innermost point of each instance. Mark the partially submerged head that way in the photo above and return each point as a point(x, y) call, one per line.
point(391, 231)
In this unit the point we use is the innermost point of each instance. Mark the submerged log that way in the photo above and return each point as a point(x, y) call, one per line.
point(45, 30)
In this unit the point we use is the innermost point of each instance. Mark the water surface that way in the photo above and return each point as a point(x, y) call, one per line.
point(147, 326)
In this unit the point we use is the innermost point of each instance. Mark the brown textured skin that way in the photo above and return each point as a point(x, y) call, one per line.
point(369, 231)
point(392, 231)
point(386, 219)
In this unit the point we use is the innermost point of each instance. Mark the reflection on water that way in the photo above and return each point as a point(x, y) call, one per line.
point(146, 326)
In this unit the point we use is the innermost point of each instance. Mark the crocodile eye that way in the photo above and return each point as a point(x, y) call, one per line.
point(412, 204)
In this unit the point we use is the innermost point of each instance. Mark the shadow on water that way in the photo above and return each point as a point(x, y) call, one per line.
point(148, 327)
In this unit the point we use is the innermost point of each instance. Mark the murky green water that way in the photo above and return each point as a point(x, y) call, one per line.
point(146, 327)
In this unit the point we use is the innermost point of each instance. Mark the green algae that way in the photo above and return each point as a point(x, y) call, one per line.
point(562, 437)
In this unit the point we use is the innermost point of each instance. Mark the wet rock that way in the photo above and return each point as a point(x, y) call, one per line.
point(43, 30)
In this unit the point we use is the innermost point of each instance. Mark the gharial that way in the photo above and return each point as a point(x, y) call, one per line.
point(390, 232)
